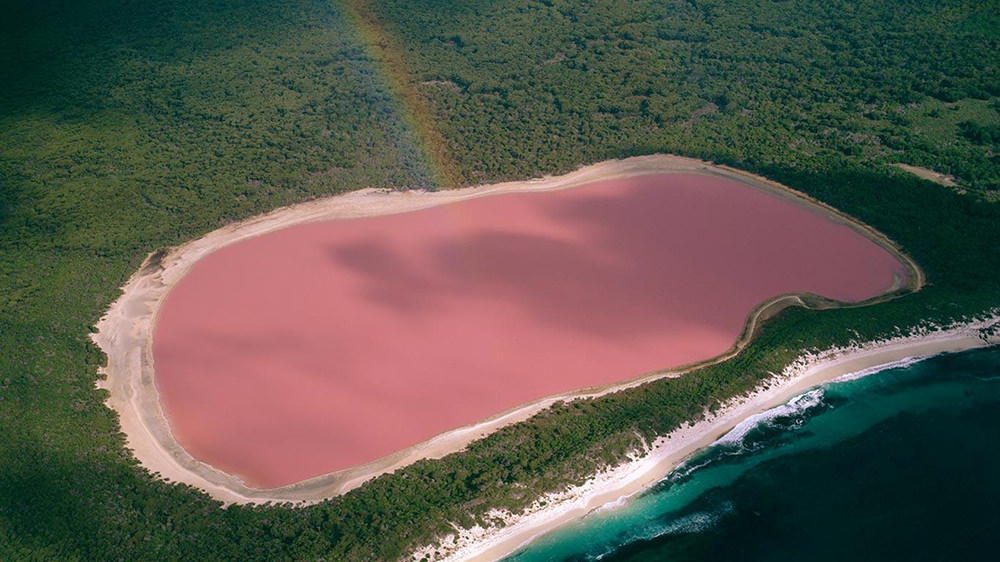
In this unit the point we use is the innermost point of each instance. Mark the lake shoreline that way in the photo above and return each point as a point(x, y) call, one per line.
point(125, 332)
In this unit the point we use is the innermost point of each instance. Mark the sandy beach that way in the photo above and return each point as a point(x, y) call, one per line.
point(616, 485)
point(125, 332)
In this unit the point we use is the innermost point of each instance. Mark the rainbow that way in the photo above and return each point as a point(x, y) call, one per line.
point(417, 114)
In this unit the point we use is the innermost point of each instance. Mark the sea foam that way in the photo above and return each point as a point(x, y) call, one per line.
point(905, 362)
point(697, 522)
point(796, 406)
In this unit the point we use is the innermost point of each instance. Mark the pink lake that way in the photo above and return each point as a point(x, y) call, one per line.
point(325, 346)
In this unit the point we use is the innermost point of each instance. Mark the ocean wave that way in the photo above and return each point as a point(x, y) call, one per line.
point(697, 522)
point(684, 469)
point(622, 501)
point(785, 417)
point(794, 409)
point(905, 362)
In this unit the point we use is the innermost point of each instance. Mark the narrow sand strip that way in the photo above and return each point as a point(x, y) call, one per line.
point(614, 486)
point(125, 332)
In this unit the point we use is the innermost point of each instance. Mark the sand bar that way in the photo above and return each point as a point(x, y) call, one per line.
point(125, 332)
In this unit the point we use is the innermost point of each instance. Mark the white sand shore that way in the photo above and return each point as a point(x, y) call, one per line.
point(125, 332)
point(614, 486)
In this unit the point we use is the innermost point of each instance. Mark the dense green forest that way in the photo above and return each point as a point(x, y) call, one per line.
point(131, 126)
point(528, 86)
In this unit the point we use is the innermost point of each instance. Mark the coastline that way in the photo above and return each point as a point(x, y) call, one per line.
point(124, 333)
point(510, 532)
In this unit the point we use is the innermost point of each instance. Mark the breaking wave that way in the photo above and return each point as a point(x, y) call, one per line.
point(905, 362)
point(692, 523)
point(792, 410)
point(746, 436)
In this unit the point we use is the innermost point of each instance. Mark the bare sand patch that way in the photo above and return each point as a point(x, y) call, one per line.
point(928, 174)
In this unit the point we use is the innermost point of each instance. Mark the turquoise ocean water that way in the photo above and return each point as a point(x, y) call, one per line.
point(903, 464)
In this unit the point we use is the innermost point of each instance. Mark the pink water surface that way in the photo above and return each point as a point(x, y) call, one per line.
point(325, 346)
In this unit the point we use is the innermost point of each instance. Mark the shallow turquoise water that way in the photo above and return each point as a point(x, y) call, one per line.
point(903, 464)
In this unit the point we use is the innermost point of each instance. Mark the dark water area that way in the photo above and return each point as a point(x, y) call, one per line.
point(903, 464)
